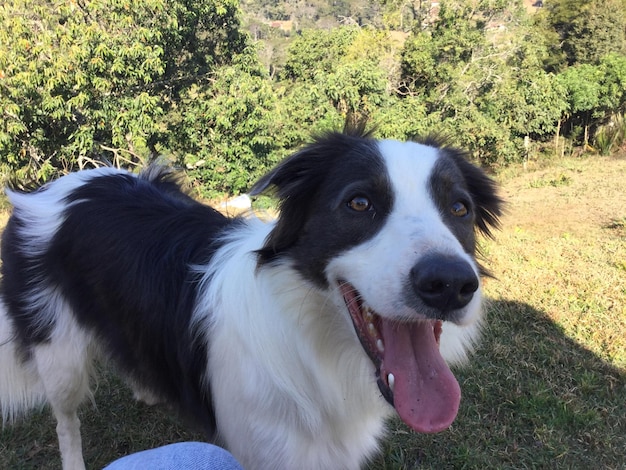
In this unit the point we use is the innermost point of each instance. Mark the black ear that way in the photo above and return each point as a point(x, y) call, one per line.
point(262, 183)
point(305, 164)
point(292, 172)
point(296, 182)
point(483, 189)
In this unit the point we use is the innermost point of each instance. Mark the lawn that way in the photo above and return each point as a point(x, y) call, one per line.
point(546, 388)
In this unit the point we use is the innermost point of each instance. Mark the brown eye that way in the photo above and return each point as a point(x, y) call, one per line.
point(459, 209)
point(360, 204)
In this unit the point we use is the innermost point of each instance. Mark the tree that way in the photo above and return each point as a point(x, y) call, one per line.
point(315, 51)
point(598, 31)
point(486, 94)
point(403, 119)
point(431, 57)
point(227, 133)
point(613, 83)
point(87, 81)
point(330, 75)
point(594, 93)
point(404, 15)
point(588, 29)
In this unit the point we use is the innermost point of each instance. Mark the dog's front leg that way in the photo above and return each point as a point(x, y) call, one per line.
point(70, 445)
point(63, 366)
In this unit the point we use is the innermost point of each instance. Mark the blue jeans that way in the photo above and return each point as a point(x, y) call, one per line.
point(184, 455)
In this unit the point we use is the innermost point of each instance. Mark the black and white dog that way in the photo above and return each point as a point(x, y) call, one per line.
point(291, 341)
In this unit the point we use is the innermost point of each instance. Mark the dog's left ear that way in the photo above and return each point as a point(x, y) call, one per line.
point(296, 182)
point(484, 192)
point(262, 184)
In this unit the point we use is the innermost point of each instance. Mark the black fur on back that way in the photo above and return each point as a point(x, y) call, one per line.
point(121, 258)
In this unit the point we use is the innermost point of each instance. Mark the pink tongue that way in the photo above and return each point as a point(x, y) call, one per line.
point(426, 395)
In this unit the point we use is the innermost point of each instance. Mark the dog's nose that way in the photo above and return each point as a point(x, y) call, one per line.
point(443, 282)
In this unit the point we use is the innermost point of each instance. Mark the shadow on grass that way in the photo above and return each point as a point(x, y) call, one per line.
point(532, 398)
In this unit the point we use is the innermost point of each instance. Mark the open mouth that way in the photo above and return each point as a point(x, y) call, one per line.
point(411, 373)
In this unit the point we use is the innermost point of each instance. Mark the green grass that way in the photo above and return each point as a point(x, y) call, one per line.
point(560, 180)
point(546, 387)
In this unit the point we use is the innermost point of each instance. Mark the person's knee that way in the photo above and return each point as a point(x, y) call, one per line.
point(182, 455)
point(201, 453)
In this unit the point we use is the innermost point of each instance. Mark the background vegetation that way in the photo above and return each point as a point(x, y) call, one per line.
point(227, 93)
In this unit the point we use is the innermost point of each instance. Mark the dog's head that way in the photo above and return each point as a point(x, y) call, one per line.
point(390, 228)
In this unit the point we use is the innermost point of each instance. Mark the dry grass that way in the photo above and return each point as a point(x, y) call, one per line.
point(547, 386)
point(563, 251)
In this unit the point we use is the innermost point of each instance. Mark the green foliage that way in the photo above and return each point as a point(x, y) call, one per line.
point(540, 100)
point(64, 71)
point(612, 135)
point(403, 118)
point(306, 110)
point(582, 83)
point(330, 75)
point(88, 81)
point(595, 93)
point(401, 15)
point(356, 87)
point(225, 133)
point(431, 58)
point(588, 30)
point(598, 31)
point(126, 80)
point(317, 51)
point(613, 83)
point(486, 95)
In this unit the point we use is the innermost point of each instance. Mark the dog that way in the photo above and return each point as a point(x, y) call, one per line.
point(289, 341)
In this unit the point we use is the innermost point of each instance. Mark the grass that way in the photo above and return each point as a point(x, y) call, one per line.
point(546, 387)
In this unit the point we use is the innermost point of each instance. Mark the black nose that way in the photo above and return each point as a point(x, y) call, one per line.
point(443, 282)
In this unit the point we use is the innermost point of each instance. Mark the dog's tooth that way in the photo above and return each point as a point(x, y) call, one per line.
point(372, 330)
point(380, 345)
point(391, 380)
point(368, 315)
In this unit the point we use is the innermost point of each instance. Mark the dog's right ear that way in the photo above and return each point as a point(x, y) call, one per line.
point(262, 184)
point(294, 182)
point(306, 167)
point(287, 175)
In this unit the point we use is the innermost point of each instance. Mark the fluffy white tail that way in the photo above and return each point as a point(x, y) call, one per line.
point(20, 386)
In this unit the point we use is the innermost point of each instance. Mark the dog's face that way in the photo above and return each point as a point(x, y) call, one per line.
point(389, 227)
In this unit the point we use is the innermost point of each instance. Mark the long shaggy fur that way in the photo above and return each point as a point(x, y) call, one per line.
point(257, 331)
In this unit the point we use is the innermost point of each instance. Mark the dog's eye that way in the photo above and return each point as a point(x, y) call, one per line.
point(459, 209)
point(360, 204)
